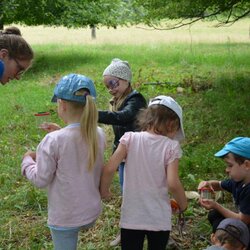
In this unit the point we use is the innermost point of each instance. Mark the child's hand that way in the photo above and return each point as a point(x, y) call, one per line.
point(175, 207)
point(203, 184)
point(50, 127)
point(31, 154)
point(208, 203)
point(106, 195)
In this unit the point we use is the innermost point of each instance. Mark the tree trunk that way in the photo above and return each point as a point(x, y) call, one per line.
point(1, 16)
point(93, 32)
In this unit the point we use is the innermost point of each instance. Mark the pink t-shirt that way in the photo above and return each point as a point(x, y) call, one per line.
point(61, 167)
point(145, 204)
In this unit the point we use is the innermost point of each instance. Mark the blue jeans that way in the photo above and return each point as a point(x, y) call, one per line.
point(121, 175)
point(66, 238)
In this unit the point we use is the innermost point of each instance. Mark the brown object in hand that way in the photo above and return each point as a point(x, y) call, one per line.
point(174, 205)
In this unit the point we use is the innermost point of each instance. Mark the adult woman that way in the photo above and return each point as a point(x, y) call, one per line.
point(15, 55)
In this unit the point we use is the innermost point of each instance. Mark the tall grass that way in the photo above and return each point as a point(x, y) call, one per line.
point(216, 82)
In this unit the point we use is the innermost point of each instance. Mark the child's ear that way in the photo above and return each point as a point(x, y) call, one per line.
point(4, 53)
point(247, 164)
point(213, 239)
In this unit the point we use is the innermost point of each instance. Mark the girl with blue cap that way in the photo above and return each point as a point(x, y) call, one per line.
point(68, 162)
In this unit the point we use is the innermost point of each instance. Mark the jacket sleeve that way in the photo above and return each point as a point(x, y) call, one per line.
point(126, 115)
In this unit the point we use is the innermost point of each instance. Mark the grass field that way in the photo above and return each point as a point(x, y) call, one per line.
point(201, 32)
point(215, 78)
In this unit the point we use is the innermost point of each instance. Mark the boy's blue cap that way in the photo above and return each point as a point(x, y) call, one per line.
point(67, 87)
point(239, 146)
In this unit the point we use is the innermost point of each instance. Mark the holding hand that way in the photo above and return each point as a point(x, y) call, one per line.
point(175, 207)
point(105, 194)
point(204, 184)
point(50, 127)
point(208, 203)
point(30, 153)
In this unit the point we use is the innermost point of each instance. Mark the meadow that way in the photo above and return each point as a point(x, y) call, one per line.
point(205, 69)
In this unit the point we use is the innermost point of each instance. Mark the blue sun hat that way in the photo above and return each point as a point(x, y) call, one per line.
point(68, 86)
point(239, 146)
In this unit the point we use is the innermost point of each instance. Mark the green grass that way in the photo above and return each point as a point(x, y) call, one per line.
point(215, 101)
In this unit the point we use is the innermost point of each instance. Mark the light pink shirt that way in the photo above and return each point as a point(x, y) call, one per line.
point(146, 203)
point(61, 166)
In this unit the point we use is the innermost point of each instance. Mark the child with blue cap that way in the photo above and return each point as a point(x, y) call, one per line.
point(236, 155)
point(69, 161)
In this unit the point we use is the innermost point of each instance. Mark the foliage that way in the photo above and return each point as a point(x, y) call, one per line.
point(111, 13)
point(69, 13)
point(186, 12)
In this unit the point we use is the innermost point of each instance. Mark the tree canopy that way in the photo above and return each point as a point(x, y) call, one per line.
point(111, 13)
point(69, 13)
point(186, 12)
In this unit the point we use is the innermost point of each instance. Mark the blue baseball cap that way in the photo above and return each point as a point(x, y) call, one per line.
point(239, 146)
point(67, 87)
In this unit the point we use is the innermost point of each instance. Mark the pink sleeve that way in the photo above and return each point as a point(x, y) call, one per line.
point(125, 139)
point(41, 172)
point(175, 152)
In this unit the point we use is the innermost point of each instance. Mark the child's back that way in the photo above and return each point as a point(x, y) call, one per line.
point(70, 183)
point(69, 162)
point(145, 186)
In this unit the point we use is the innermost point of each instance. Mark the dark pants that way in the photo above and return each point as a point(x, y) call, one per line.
point(214, 217)
point(134, 239)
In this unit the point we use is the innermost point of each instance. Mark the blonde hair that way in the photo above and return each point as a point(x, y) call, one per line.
point(88, 124)
point(116, 103)
point(11, 40)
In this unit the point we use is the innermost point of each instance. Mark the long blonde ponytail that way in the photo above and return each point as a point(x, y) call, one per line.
point(88, 123)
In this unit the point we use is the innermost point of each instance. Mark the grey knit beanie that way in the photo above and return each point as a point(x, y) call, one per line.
point(119, 69)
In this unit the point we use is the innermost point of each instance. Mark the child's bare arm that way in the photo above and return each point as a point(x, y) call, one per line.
point(175, 186)
point(109, 170)
point(211, 204)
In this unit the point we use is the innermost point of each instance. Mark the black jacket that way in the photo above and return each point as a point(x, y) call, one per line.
point(123, 120)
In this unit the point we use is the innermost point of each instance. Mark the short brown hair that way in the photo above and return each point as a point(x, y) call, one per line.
point(225, 237)
point(156, 117)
